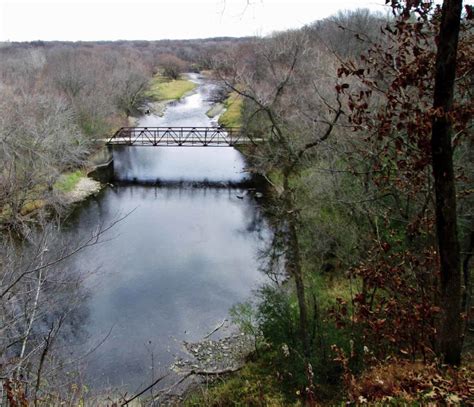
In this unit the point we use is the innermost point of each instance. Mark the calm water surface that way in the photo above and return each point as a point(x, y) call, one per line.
point(181, 257)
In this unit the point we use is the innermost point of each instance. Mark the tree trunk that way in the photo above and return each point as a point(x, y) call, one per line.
point(294, 267)
point(450, 333)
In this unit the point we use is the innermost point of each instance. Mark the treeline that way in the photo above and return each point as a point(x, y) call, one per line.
point(356, 304)
point(190, 50)
point(57, 102)
point(359, 299)
point(57, 99)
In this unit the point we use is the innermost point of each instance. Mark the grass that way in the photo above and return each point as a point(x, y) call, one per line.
point(232, 117)
point(165, 89)
point(68, 181)
point(327, 288)
point(251, 386)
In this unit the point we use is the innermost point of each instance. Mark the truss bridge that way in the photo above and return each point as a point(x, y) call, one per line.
point(179, 136)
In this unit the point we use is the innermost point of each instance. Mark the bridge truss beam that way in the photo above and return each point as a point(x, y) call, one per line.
point(179, 136)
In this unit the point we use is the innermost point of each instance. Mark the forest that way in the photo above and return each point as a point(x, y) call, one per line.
point(363, 133)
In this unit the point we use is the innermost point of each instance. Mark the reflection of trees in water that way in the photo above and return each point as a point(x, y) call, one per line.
point(254, 217)
point(269, 232)
point(125, 161)
point(272, 256)
point(122, 160)
point(42, 311)
point(255, 220)
point(214, 93)
point(63, 294)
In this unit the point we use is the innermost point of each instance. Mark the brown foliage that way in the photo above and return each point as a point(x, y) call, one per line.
point(15, 393)
point(391, 108)
point(395, 313)
point(402, 75)
point(410, 382)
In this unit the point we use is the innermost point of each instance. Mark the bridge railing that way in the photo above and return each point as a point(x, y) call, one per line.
point(178, 136)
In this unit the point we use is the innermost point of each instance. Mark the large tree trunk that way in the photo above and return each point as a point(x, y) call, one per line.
point(450, 333)
point(294, 266)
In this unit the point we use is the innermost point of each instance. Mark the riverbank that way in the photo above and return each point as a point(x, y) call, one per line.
point(165, 90)
point(162, 92)
point(69, 189)
point(232, 115)
point(75, 186)
point(229, 112)
point(78, 187)
point(208, 361)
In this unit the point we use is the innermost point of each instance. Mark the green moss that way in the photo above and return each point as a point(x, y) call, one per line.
point(165, 89)
point(232, 117)
point(68, 181)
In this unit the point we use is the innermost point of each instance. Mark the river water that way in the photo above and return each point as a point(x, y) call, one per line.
point(178, 260)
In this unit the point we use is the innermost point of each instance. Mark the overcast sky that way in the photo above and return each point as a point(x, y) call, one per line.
point(72, 20)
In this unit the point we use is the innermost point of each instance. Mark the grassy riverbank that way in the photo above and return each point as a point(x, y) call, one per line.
point(70, 187)
point(253, 385)
point(162, 89)
point(68, 181)
point(232, 117)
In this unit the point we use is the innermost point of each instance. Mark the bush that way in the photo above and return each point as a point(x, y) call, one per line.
point(276, 319)
point(172, 66)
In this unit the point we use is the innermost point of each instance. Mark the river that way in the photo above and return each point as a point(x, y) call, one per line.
point(182, 255)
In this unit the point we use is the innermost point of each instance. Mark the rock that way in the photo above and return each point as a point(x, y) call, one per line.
point(84, 188)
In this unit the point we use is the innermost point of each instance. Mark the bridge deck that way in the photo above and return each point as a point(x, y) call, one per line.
point(178, 136)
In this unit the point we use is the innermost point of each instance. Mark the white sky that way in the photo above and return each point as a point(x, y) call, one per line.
point(87, 20)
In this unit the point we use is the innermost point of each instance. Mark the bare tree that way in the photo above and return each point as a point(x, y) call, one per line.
point(40, 303)
point(172, 66)
point(348, 33)
point(270, 76)
point(36, 151)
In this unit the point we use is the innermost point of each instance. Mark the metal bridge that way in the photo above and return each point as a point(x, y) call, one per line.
point(179, 136)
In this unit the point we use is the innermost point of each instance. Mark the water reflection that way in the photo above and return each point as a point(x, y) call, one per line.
point(174, 164)
point(190, 111)
point(178, 261)
point(171, 271)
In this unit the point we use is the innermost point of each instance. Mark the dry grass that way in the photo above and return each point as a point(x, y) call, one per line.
point(165, 89)
point(232, 117)
point(414, 383)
